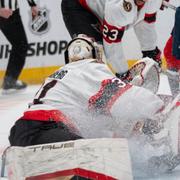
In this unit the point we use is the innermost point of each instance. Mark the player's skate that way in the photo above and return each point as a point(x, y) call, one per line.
point(13, 86)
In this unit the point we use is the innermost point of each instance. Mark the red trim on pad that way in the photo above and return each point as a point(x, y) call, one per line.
point(73, 172)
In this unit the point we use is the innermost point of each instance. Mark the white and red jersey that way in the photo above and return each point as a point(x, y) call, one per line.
point(88, 86)
point(116, 16)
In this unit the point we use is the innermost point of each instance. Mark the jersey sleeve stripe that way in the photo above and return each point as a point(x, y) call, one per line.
point(150, 18)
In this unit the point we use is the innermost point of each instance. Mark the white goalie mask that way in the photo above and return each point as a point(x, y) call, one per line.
point(82, 47)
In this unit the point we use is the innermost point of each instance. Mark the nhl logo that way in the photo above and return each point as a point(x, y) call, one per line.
point(127, 6)
point(40, 24)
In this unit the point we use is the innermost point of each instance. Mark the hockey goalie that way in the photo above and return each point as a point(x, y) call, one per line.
point(84, 99)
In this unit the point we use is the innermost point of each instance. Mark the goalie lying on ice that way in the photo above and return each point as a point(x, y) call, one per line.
point(84, 99)
point(78, 94)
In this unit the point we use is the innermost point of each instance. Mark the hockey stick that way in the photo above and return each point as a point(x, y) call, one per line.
point(168, 5)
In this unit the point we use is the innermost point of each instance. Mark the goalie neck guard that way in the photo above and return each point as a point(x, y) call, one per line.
point(81, 47)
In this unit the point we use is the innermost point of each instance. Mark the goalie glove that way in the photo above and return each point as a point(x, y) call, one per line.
point(154, 54)
point(143, 73)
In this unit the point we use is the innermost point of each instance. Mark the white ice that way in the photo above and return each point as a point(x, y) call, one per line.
point(12, 107)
